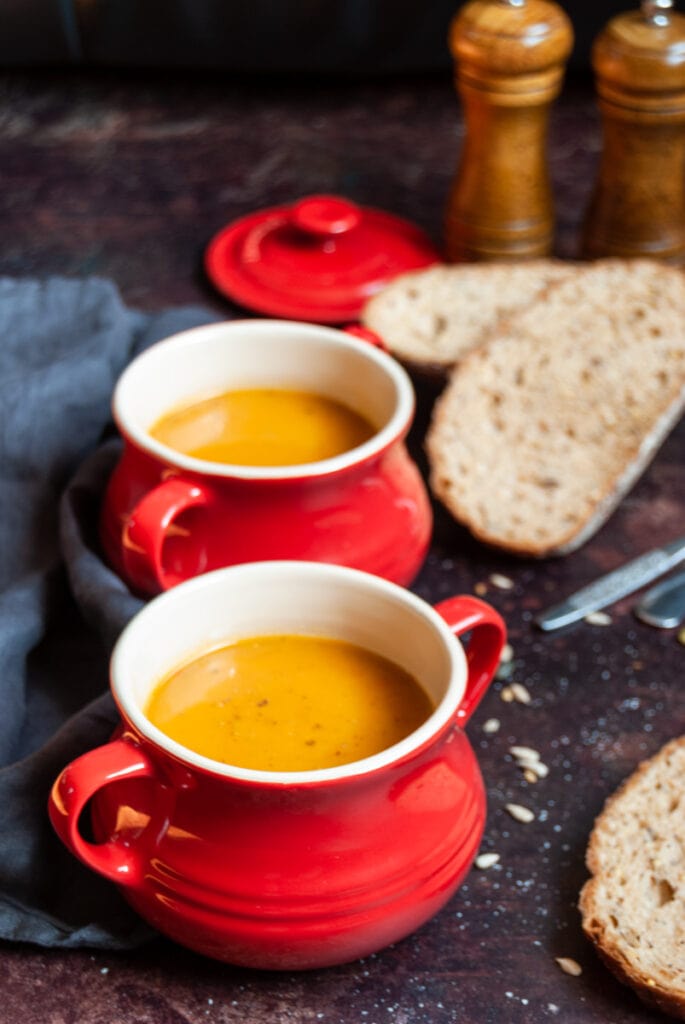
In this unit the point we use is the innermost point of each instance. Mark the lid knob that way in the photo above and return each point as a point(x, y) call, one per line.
point(323, 216)
point(656, 11)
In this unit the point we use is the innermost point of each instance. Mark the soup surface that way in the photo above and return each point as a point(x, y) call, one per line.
point(288, 703)
point(263, 427)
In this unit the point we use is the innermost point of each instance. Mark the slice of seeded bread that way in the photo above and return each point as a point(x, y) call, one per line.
point(542, 430)
point(633, 907)
point(431, 318)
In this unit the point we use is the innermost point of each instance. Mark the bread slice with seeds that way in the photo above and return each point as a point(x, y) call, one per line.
point(542, 430)
point(431, 318)
point(633, 907)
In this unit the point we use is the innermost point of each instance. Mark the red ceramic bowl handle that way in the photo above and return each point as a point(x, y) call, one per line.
point(146, 529)
point(464, 614)
point(120, 862)
point(366, 334)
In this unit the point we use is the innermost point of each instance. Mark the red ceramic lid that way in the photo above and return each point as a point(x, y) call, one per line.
point(319, 259)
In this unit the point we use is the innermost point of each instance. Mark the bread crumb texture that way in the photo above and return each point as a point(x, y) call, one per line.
point(542, 429)
point(435, 316)
point(633, 908)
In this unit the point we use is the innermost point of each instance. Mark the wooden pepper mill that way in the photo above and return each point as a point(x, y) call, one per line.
point(638, 205)
point(510, 58)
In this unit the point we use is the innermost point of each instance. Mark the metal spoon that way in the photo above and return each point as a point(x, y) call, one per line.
point(617, 584)
point(664, 605)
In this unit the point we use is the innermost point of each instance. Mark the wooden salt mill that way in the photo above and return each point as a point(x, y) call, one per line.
point(510, 58)
point(638, 205)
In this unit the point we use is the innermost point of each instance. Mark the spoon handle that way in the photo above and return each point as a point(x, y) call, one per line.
point(615, 585)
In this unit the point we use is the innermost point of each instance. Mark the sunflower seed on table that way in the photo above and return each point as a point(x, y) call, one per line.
point(524, 753)
point(521, 694)
point(539, 770)
point(569, 966)
point(515, 692)
point(598, 619)
point(529, 761)
point(486, 860)
point(491, 726)
point(501, 582)
point(520, 813)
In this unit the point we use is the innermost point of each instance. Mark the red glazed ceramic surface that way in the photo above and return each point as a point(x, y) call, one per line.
point(297, 869)
point(320, 259)
point(167, 517)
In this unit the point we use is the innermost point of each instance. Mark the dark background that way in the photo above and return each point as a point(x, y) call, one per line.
point(357, 37)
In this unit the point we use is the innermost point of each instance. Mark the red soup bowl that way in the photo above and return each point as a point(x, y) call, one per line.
point(168, 516)
point(297, 869)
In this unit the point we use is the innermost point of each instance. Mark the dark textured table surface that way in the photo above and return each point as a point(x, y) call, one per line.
point(129, 178)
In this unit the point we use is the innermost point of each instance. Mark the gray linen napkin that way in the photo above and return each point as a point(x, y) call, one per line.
point(63, 343)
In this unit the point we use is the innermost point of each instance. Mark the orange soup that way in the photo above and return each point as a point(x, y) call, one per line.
point(263, 427)
point(288, 703)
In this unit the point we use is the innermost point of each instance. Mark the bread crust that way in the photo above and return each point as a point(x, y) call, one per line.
point(430, 319)
point(461, 427)
point(608, 935)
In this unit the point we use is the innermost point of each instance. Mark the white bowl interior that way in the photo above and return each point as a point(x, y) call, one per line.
point(279, 598)
point(259, 353)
